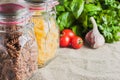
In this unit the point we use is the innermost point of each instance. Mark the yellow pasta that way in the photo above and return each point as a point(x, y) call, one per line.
point(47, 41)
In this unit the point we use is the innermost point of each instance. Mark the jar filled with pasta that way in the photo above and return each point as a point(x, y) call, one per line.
point(46, 30)
point(18, 47)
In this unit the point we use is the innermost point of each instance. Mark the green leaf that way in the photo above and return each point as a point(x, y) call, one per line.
point(89, 1)
point(67, 6)
point(84, 20)
point(65, 20)
point(62, 1)
point(92, 7)
point(77, 7)
point(60, 8)
point(77, 30)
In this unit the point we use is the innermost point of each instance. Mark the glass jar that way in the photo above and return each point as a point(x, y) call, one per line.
point(18, 48)
point(46, 30)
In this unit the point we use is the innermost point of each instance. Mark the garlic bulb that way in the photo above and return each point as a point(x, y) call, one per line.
point(93, 37)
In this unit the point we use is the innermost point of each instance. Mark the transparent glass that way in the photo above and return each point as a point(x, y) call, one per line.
point(18, 48)
point(46, 32)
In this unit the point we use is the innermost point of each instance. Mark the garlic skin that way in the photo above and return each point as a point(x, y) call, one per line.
point(93, 37)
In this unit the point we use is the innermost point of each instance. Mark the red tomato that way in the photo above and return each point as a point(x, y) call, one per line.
point(68, 32)
point(76, 42)
point(64, 41)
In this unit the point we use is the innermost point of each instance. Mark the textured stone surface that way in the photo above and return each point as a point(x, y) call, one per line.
point(83, 64)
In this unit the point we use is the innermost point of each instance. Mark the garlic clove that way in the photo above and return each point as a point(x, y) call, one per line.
point(93, 37)
point(99, 41)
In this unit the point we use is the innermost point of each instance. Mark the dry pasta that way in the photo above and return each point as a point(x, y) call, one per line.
point(47, 40)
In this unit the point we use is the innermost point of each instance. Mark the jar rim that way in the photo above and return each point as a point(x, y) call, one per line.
point(42, 6)
point(39, 1)
point(13, 13)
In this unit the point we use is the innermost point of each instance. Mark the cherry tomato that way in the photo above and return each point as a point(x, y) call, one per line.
point(76, 42)
point(64, 41)
point(68, 32)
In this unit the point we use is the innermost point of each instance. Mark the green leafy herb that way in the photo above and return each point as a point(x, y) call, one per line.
point(65, 20)
point(68, 12)
point(75, 14)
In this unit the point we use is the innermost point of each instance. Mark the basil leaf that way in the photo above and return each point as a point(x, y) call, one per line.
point(65, 20)
point(60, 8)
point(77, 7)
point(92, 7)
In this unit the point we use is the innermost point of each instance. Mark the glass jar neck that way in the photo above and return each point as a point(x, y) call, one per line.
point(46, 6)
point(12, 13)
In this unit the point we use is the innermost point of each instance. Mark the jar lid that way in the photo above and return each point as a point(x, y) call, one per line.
point(12, 12)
